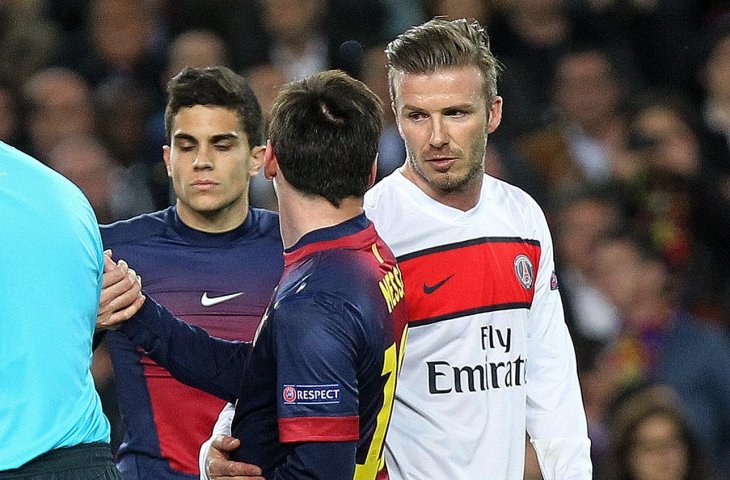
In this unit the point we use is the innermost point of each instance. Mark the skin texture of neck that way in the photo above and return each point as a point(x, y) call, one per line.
point(300, 214)
point(463, 199)
point(218, 221)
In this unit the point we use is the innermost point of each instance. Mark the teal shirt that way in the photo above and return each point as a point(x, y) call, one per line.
point(51, 266)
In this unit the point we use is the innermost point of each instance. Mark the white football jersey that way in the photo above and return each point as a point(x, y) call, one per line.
point(488, 354)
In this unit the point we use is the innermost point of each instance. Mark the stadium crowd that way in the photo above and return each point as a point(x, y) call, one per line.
point(616, 120)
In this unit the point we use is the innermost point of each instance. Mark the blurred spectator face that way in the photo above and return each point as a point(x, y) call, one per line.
point(194, 48)
point(123, 109)
point(120, 30)
point(375, 76)
point(586, 88)
point(60, 106)
point(265, 80)
point(85, 162)
point(581, 224)
point(293, 21)
point(658, 452)
point(673, 147)
point(717, 71)
point(618, 271)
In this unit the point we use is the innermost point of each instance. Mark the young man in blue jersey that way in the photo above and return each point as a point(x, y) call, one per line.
point(210, 259)
point(51, 421)
point(316, 393)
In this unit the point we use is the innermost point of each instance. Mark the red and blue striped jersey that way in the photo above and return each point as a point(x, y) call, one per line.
point(221, 282)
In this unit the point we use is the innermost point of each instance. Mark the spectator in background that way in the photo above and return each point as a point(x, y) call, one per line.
point(715, 109)
point(652, 439)
point(660, 342)
point(391, 149)
point(59, 105)
point(123, 109)
point(678, 198)
point(530, 36)
point(580, 146)
point(581, 217)
point(122, 39)
point(265, 80)
point(28, 41)
point(86, 161)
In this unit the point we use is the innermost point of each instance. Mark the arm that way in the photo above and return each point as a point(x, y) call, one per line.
point(213, 459)
point(188, 352)
point(317, 341)
point(556, 420)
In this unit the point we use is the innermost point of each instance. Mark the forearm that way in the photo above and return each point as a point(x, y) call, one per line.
point(319, 460)
point(188, 352)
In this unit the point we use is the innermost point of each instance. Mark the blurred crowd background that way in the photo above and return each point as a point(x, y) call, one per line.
point(616, 120)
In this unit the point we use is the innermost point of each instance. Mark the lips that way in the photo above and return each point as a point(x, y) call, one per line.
point(441, 164)
point(204, 184)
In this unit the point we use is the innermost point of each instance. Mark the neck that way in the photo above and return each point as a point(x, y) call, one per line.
point(300, 214)
point(464, 198)
point(216, 221)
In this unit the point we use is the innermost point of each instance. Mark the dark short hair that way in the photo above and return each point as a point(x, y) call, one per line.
point(442, 43)
point(218, 87)
point(325, 131)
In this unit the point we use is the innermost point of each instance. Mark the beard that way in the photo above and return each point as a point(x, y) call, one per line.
point(450, 181)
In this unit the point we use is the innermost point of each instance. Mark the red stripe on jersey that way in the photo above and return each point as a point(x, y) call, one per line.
point(319, 429)
point(479, 275)
point(184, 417)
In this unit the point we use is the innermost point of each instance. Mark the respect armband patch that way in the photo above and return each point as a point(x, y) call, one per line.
point(311, 394)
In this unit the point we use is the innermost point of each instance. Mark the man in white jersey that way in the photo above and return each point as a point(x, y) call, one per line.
point(488, 356)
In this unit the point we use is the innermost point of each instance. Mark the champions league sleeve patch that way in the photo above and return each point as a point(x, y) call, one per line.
point(553, 281)
point(311, 394)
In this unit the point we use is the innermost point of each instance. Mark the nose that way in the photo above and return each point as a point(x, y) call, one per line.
point(203, 159)
point(439, 132)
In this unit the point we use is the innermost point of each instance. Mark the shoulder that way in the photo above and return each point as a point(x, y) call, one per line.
point(266, 223)
point(136, 228)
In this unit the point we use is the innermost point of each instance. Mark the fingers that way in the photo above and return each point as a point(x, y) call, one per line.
point(218, 465)
point(225, 443)
point(121, 294)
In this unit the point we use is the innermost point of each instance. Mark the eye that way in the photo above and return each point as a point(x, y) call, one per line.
point(456, 113)
point(223, 147)
point(416, 116)
point(186, 147)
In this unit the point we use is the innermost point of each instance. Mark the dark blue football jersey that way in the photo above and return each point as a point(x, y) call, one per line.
point(318, 384)
point(220, 282)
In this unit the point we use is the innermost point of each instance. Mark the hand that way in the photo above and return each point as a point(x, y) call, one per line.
point(218, 465)
point(121, 294)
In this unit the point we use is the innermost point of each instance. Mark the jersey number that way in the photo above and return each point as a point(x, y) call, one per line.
point(375, 461)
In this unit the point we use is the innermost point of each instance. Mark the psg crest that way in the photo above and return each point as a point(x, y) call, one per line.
point(524, 271)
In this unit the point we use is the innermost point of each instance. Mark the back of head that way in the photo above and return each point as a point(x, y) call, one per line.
point(215, 87)
point(325, 131)
point(441, 43)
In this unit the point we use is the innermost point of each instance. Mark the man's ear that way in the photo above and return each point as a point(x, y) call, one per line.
point(271, 165)
point(373, 172)
point(495, 114)
point(257, 160)
point(166, 159)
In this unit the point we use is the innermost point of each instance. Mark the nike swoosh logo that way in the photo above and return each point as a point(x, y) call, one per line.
point(429, 289)
point(207, 301)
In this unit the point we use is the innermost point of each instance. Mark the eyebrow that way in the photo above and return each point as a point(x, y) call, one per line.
point(460, 106)
point(221, 137)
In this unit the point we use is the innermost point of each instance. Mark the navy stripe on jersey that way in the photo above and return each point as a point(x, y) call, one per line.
point(470, 277)
point(220, 282)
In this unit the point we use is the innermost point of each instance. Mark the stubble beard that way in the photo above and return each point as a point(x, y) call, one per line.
point(449, 183)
